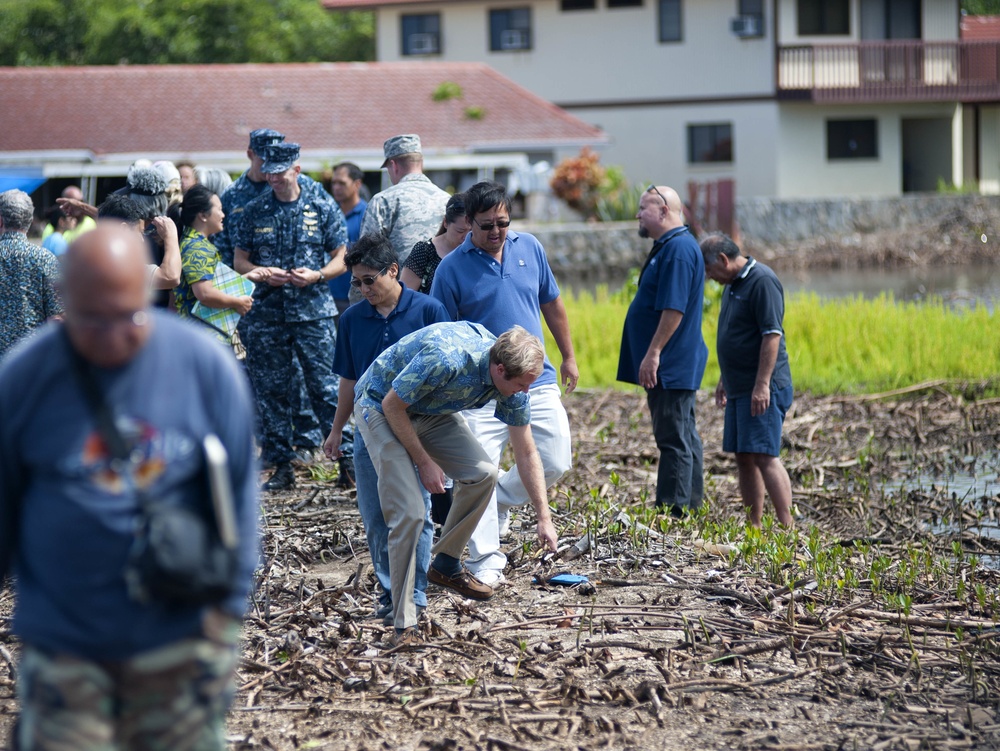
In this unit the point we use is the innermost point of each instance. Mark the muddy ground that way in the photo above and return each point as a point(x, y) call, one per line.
point(682, 638)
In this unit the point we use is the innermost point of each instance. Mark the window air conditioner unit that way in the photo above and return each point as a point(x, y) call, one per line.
point(423, 44)
point(513, 39)
point(747, 26)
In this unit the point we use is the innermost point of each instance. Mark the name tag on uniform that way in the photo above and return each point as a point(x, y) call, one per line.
point(263, 230)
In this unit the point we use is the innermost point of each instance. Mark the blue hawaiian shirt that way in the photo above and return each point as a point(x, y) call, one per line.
point(439, 370)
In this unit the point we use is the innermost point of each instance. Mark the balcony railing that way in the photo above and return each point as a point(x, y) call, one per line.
point(891, 71)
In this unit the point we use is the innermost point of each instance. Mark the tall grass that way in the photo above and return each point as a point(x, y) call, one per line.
point(846, 345)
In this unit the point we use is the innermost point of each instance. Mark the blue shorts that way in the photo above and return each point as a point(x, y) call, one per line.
point(743, 434)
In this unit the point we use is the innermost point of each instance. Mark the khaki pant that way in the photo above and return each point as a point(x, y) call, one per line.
point(452, 445)
point(173, 698)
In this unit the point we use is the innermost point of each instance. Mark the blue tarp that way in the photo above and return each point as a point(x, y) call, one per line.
point(20, 178)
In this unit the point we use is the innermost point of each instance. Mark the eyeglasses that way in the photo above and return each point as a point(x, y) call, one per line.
point(368, 281)
point(100, 322)
point(488, 227)
point(653, 189)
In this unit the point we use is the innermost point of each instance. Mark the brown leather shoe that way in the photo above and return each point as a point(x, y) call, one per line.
point(464, 584)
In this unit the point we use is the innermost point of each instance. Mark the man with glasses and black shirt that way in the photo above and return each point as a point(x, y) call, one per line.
point(501, 278)
point(662, 346)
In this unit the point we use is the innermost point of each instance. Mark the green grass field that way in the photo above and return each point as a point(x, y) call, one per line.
point(845, 345)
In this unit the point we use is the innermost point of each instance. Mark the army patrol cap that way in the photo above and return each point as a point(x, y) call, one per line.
point(279, 156)
point(261, 138)
point(399, 145)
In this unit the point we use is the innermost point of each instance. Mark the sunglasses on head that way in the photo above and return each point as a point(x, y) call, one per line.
point(368, 281)
point(653, 189)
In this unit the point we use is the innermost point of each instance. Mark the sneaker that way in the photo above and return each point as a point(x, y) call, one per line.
point(491, 576)
point(282, 479)
point(345, 477)
point(463, 583)
point(407, 638)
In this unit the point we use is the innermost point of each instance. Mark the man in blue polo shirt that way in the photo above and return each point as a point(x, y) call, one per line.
point(662, 347)
point(501, 278)
point(387, 312)
point(755, 386)
point(407, 408)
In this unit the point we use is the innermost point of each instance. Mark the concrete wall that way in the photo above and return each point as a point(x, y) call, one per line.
point(805, 172)
point(595, 252)
point(769, 221)
point(989, 149)
point(650, 143)
point(600, 55)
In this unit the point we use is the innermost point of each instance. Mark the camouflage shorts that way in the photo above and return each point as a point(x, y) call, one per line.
point(167, 699)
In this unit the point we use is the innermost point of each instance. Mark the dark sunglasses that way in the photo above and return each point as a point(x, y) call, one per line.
point(488, 227)
point(368, 281)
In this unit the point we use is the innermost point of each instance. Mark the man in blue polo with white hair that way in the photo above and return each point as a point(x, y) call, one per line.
point(301, 241)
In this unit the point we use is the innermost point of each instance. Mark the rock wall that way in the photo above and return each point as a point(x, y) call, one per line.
point(764, 220)
point(603, 251)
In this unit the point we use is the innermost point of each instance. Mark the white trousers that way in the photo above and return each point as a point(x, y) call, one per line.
point(550, 430)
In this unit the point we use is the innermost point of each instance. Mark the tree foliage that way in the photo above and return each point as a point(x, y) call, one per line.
point(111, 32)
point(981, 7)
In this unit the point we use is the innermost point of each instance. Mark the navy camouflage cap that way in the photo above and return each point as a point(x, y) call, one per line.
point(261, 138)
point(399, 145)
point(279, 156)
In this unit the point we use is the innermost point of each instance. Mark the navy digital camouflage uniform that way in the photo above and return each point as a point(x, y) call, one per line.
point(308, 432)
point(289, 321)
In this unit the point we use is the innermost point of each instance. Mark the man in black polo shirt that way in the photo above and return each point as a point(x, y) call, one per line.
point(756, 383)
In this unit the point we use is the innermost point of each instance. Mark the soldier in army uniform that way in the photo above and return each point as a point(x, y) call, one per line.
point(302, 242)
point(413, 207)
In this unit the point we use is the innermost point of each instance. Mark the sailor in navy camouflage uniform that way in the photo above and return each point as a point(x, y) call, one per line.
point(302, 242)
point(308, 433)
point(247, 187)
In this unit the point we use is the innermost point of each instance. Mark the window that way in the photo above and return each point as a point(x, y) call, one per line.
point(670, 21)
point(510, 29)
point(421, 34)
point(851, 139)
point(824, 17)
point(710, 143)
point(750, 21)
point(567, 5)
point(624, 3)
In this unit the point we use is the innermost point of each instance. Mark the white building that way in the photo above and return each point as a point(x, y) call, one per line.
point(790, 98)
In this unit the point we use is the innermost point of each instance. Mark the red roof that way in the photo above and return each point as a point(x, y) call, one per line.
point(980, 28)
point(340, 107)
